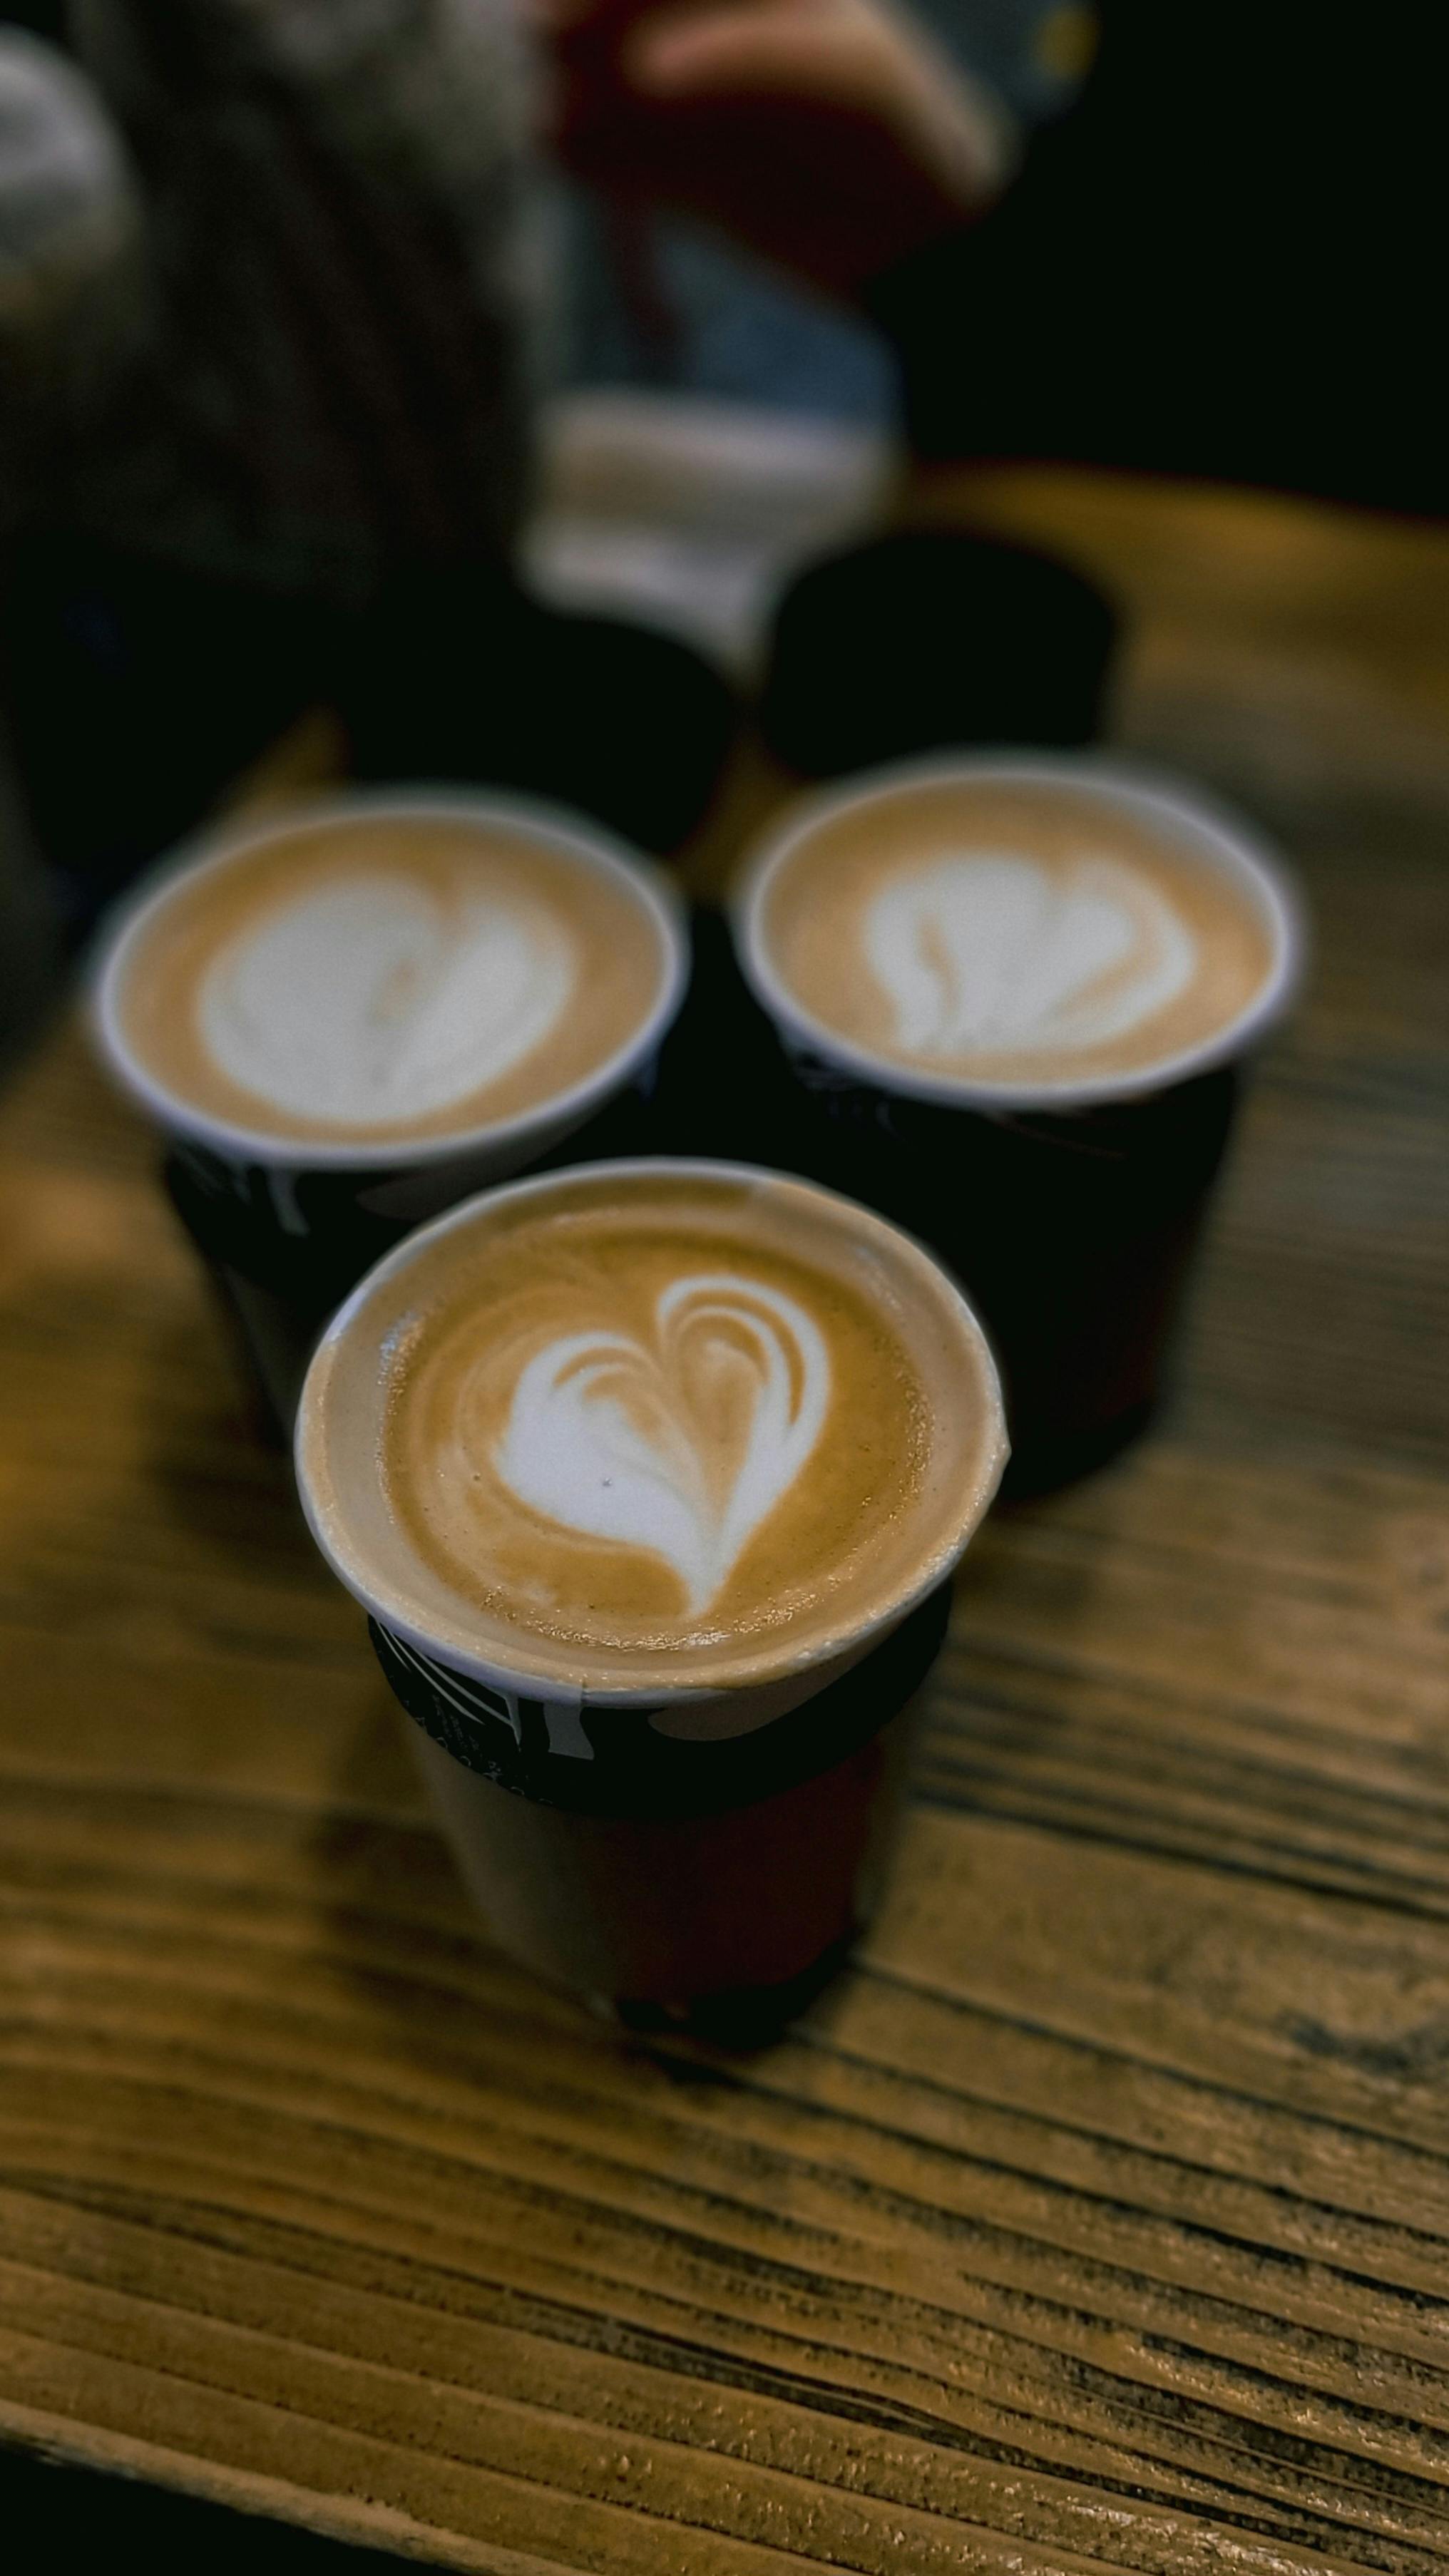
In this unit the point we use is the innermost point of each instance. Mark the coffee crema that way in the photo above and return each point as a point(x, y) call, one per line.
point(1009, 931)
point(386, 977)
point(650, 1423)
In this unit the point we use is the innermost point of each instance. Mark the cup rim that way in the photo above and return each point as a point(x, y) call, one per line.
point(554, 826)
point(1160, 795)
point(647, 1690)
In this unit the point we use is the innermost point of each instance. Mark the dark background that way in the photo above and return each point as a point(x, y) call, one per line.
point(1226, 259)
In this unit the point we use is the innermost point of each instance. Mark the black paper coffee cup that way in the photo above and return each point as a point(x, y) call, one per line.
point(686, 1827)
point(286, 1226)
point(1069, 1211)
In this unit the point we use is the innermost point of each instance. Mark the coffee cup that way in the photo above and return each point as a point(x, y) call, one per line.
point(1010, 999)
point(347, 1017)
point(652, 1476)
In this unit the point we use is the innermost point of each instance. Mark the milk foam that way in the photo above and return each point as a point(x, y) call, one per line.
point(649, 1424)
point(683, 1448)
point(366, 1001)
point(986, 949)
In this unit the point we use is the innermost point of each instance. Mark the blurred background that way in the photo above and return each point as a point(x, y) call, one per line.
point(443, 363)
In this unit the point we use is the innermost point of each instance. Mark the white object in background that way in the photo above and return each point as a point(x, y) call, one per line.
point(691, 514)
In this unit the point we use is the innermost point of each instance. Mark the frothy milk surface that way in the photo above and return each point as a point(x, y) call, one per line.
point(1012, 932)
point(632, 1423)
point(387, 977)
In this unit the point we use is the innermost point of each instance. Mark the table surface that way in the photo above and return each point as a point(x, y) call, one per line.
point(1099, 2216)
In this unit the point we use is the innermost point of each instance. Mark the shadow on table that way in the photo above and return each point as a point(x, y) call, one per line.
point(91, 2518)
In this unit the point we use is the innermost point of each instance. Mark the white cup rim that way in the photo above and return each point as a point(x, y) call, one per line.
point(553, 826)
point(1172, 803)
point(453, 1648)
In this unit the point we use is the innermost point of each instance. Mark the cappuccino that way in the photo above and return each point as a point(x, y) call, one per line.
point(1006, 1001)
point(653, 1476)
point(1013, 934)
point(383, 979)
point(348, 1018)
point(650, 1422)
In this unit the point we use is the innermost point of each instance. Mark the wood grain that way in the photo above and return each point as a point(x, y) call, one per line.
point(1100, 2216)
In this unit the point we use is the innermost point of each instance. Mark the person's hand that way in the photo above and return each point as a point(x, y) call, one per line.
point(831, 135)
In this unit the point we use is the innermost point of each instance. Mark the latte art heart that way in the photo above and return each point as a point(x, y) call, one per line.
point(369, 1000)
point(683, 1449)
point(985, 950)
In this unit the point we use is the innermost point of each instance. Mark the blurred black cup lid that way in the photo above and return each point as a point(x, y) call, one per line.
point(488, 687)
point(931, 638)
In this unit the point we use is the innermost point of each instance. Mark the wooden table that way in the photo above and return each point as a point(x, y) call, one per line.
point(1100, 2217)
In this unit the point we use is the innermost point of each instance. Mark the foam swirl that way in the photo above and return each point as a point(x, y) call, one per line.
point(993, 950)
point(370, 1001)
point(685, 1449)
